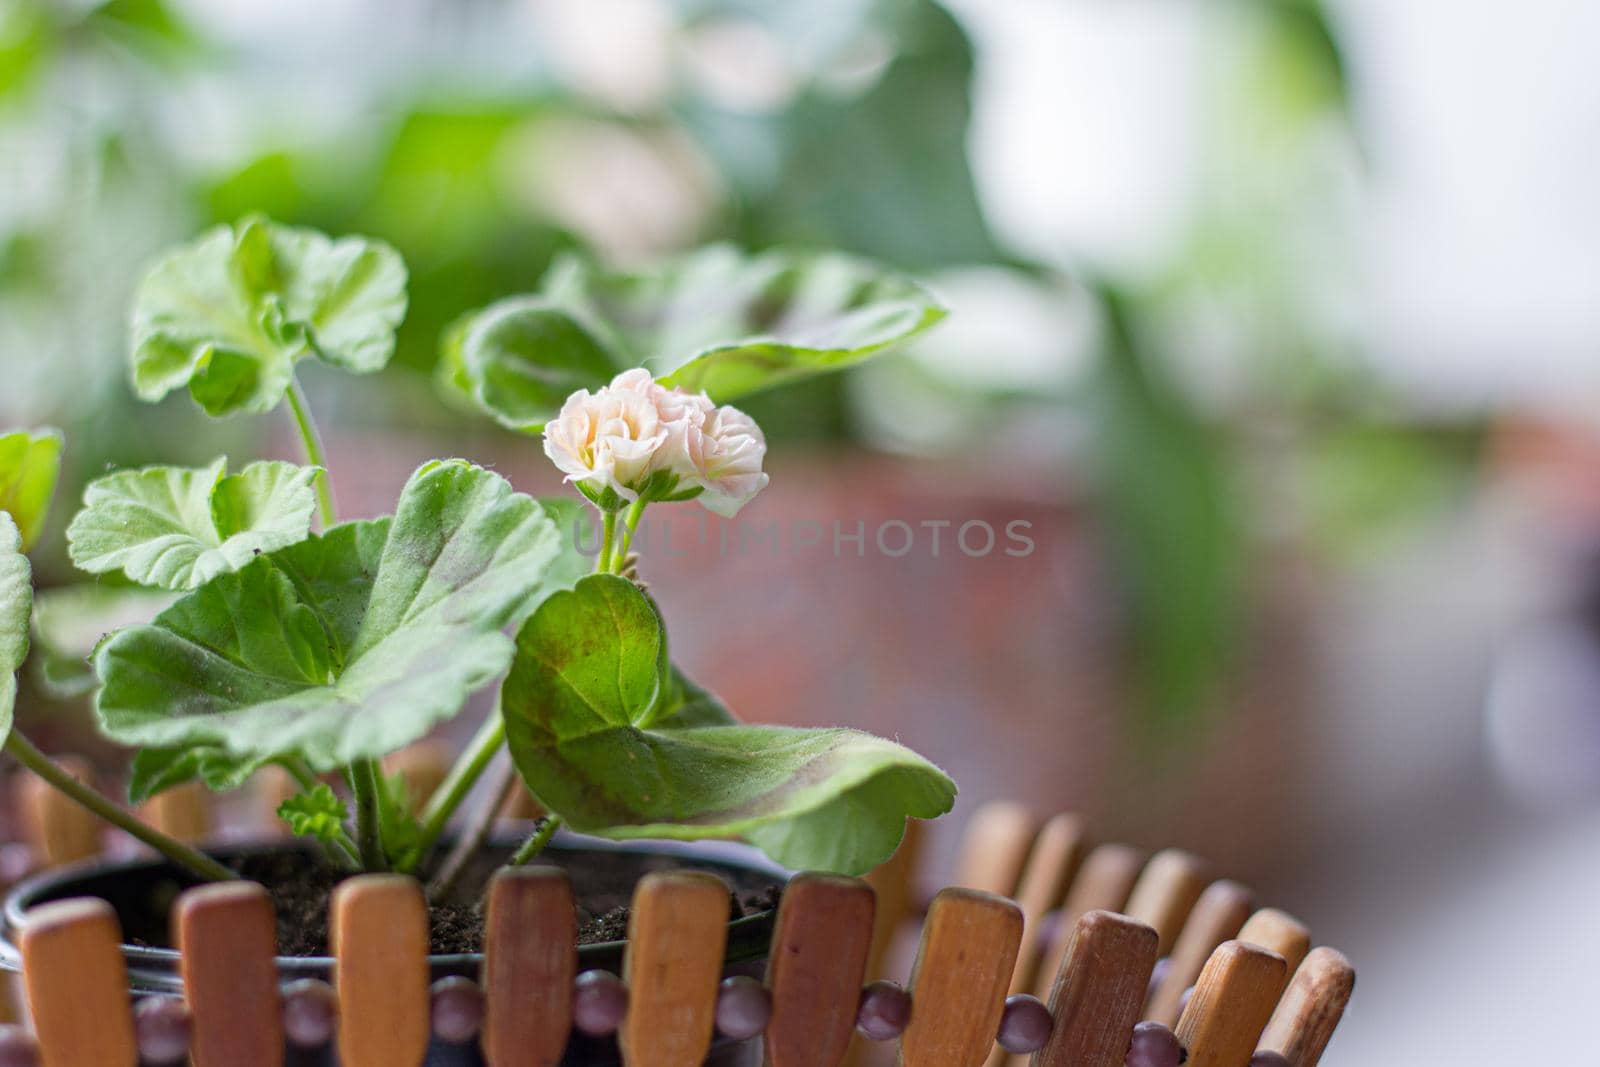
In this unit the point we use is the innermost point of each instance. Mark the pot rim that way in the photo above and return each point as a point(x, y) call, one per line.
point(28, 893)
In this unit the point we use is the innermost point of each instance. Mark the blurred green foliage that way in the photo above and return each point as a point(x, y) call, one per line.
point(126, 126)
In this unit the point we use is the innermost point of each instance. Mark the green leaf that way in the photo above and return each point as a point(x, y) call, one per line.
point(69, 622)
point(155, 770)
point(30, 461)
point(319, 813)
point(1166, 494)
point(347, 645)
point(519, 358)
point(882, 168)
point(16, 603)
point(715, 320)
point(611, 738)
point(178, 528)
point(229, 315)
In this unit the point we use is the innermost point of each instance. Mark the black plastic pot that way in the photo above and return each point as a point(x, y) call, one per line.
point(142, 892)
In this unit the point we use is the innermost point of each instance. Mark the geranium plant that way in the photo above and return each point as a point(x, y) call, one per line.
point(287, 637)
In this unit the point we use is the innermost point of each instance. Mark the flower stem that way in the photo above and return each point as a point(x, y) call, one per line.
point(630, 523)
point(536, 842)
point(311, 443)
point(480, 751)
point(191, 859)
point(369, 836)
point(608, 532)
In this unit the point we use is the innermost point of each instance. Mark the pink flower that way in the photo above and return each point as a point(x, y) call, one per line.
point(725, 461)
point(635, 436)
point(608, 439)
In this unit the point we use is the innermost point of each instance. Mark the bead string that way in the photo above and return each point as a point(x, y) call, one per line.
point(600, 1003)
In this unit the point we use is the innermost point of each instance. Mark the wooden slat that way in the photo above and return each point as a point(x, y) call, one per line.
point(677, 933)
point(1166, 892)
point(1217, 916)
point(520, 805)
point(960, 979)
point(423, 766)
point(183, 812)
point(380, 944)
point(530, 959)
point(994, 847)
point(1057, 851)
point(1232, 1002)
point(1310, 1010)
point(816, 969)
point(1097, 995)
point(1102, 884)
point(78, 985)
point(228, 936)
point(1279, 932)
point(270, 787)
point(895, 884)
point(59, 830)
point(1051, 865)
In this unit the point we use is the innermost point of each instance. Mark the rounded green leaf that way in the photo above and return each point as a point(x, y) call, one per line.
point(347, 645)
point(520, 358)
point(30, 461)
point(606, 735)
point(716, 320)
point(16, 604)
point(177, 528)
point(228, 315)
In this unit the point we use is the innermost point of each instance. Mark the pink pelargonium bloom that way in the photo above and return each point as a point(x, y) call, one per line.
point(607, 439)
point(726, 458)
point(633, 431)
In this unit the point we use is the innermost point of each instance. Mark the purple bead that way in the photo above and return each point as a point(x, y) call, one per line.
point(884, 1012)
point(1183, 1001)
point(1154, 1046)
point(17, 1048)
point(743, 1008)
point(310, 1013)
point(457, 1010)
point(1163, 965)
point(1269, 1059)
point(164, 1028)
point(1024, 1024)
point(599, 1003)
point(16, 863)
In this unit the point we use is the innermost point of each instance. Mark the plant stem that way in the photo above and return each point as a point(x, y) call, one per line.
point(363, 774)
point(629, 524)
point(608, 531)
point(536, 842)
point(190, 859)
point(311, 442)
point(460, 857)
point(369, 837)
point(457, 784)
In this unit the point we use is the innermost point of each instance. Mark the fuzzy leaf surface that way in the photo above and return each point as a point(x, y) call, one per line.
point(179, 527)
point(348, 645)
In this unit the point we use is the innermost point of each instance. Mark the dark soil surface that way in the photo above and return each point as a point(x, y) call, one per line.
point(602, 882)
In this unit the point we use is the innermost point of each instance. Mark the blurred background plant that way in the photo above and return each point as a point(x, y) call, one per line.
point(1276, 318)
point(482, 138)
